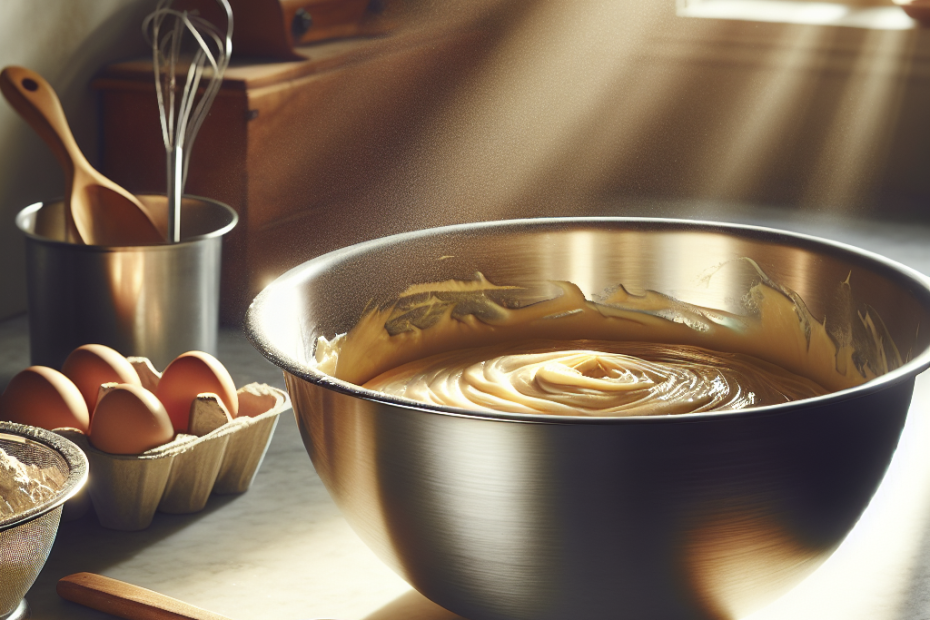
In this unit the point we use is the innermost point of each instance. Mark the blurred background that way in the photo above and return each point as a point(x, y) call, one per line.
point(438, 112)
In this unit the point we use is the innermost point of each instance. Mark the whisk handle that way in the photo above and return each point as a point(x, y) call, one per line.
point(125, 600)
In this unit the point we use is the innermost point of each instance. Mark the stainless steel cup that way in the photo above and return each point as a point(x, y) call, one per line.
point(156, 301)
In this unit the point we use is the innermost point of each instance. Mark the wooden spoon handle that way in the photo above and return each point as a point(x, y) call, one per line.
point(37, 103)
point(126, 600)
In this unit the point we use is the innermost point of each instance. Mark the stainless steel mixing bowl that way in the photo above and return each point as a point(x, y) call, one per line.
point(498, 516)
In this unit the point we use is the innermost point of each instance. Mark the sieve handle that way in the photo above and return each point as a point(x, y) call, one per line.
point(125, 600)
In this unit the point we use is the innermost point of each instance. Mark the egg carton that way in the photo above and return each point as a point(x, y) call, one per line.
point(222, 457)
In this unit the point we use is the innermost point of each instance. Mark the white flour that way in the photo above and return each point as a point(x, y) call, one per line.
point(25, 486)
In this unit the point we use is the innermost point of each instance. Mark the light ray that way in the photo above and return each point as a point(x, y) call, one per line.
point(766, 117)
point(522, 108)
point(857, 142)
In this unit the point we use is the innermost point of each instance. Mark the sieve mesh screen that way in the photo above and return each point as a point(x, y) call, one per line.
point(23, 551)
point(26, 537)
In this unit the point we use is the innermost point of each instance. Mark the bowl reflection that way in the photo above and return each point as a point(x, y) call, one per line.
point(498, 516)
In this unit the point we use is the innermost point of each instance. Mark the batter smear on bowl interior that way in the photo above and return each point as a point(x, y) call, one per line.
point(478, 346)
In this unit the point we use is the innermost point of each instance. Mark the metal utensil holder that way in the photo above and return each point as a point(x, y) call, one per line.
point(155, 301)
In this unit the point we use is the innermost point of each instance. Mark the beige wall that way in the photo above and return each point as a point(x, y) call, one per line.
point(66, 41)
point(577, 111)
point(560, 107)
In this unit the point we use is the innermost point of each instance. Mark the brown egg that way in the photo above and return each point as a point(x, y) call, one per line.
point(92, 365)
point(41, 396)
point(190, 374)
point(129, 420)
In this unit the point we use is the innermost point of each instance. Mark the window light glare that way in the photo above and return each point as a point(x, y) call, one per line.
point(794, 12)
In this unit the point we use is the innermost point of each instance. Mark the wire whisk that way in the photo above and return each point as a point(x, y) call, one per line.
point(182, 114)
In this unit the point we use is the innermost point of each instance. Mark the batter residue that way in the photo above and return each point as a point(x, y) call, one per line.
point(547, 348)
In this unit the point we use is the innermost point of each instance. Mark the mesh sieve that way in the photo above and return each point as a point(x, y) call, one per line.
point(26, 537)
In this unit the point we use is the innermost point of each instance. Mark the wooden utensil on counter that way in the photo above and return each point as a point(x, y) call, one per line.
point(100, 212)
point(125, 600)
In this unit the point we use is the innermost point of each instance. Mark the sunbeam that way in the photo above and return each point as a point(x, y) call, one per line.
point(857, 142)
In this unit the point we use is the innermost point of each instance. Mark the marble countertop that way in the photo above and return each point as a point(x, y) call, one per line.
point(281, 550)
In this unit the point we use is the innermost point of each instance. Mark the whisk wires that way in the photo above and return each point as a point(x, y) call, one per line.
point(183, 110)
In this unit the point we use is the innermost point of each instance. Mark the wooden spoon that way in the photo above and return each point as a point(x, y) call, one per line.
point(125, 600)
point(99, 212)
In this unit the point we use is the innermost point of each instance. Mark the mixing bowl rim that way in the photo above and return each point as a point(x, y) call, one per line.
point(907, 370)
point(78, 468)
point(214, 234)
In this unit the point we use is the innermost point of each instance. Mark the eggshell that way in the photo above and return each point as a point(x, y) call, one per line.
point(43, 397)
point(190, 374)
point(92, 365)
point(129, 420)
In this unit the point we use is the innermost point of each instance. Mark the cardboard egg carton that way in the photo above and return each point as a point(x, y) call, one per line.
point(221, 455)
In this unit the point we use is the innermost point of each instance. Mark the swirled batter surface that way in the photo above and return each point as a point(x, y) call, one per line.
point(596, 378)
